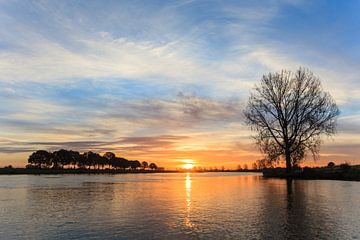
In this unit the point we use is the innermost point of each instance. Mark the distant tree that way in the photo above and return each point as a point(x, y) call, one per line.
point(254, 166)
point(81, 161)
point(134, 164)
point(40, 158)
point(345, 166)
point(264, 163)
point(100, 161)
point(90, 159)
point(109, 158)
point(245, 167)
point(124, 163)
point(62, 158)
point(121, 163)
point(331, 164)
point(144, 165)
point(75, 158)
point(289, 112)
point(239, 168)
point(153, 166)
point(109, 155)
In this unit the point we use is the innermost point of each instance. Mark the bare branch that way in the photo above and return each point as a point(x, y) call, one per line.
point(289, 112)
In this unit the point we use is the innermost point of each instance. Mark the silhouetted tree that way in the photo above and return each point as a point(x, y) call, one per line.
point(109, 155)
point(239, 168)
point(109, 158)
point(62, 158)
point(144, 165)
point(290, 111)
point(81, 162)
point(153, 166)
point(245, 167)
point(91, 159)
point(121, 163)
point(263, 163)
point(40, 158)
point(345, 166)
point(75, 158)
point(134, 164)
point(254, 166)
point(331, 164)
point(100, 161)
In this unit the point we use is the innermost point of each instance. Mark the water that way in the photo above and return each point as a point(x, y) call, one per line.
point(176, 206)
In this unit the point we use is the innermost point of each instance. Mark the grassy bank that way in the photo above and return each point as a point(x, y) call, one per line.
point(349, 173)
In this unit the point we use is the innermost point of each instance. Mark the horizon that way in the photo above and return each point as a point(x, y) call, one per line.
point(166, 83)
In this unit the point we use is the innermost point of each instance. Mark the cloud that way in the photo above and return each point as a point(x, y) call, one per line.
point(349, 124)
point(186, 111)
point(143, 144)
point(76, 54)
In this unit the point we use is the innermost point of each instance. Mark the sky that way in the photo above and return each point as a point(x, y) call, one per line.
point(166, 81)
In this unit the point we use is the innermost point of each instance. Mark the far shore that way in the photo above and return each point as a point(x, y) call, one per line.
point(349, 173)
point(343, 172)
point(38, 171)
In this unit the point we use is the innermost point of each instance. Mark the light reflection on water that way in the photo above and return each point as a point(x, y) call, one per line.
point(176, 206)
point(188, 222)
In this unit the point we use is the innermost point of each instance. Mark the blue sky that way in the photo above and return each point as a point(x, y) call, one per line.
point(166, 80)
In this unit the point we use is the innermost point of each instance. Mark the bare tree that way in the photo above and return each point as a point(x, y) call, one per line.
point(290, 111)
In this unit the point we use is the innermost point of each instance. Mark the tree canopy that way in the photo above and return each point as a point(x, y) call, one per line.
point(64, 158)
point(290, 112)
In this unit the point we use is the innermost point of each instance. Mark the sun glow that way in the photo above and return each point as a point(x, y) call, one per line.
point(188, 166)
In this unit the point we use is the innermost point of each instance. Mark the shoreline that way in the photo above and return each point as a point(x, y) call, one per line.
point(348, 173)
point(41, 171)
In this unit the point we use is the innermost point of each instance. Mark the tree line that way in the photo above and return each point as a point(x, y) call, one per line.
point(72, 159)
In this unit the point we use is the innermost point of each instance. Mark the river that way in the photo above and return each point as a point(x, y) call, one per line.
point(177, 206)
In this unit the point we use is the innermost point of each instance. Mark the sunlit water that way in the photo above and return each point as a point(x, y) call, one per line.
point(176, 206)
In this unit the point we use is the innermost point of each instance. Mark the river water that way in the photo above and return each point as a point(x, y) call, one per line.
point(177, 206)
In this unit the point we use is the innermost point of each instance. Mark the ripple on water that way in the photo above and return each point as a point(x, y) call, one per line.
point(177, 206)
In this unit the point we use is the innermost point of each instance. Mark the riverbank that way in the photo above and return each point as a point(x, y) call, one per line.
point(7, 171)
point(346, 172)
point(37, 171)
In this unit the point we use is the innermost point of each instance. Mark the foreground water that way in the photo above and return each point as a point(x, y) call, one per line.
point(176, 206)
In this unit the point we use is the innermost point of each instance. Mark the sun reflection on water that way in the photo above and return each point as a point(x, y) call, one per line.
point(188, 222)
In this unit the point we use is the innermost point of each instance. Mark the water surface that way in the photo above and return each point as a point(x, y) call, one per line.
point(176, 206)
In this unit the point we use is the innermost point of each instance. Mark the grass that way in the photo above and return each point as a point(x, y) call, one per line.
point(342, 172)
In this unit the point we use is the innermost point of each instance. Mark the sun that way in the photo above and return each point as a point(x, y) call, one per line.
point(188, 166)
point(188, 163)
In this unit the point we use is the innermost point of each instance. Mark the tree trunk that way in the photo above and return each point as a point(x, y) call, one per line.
point(288, 161)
